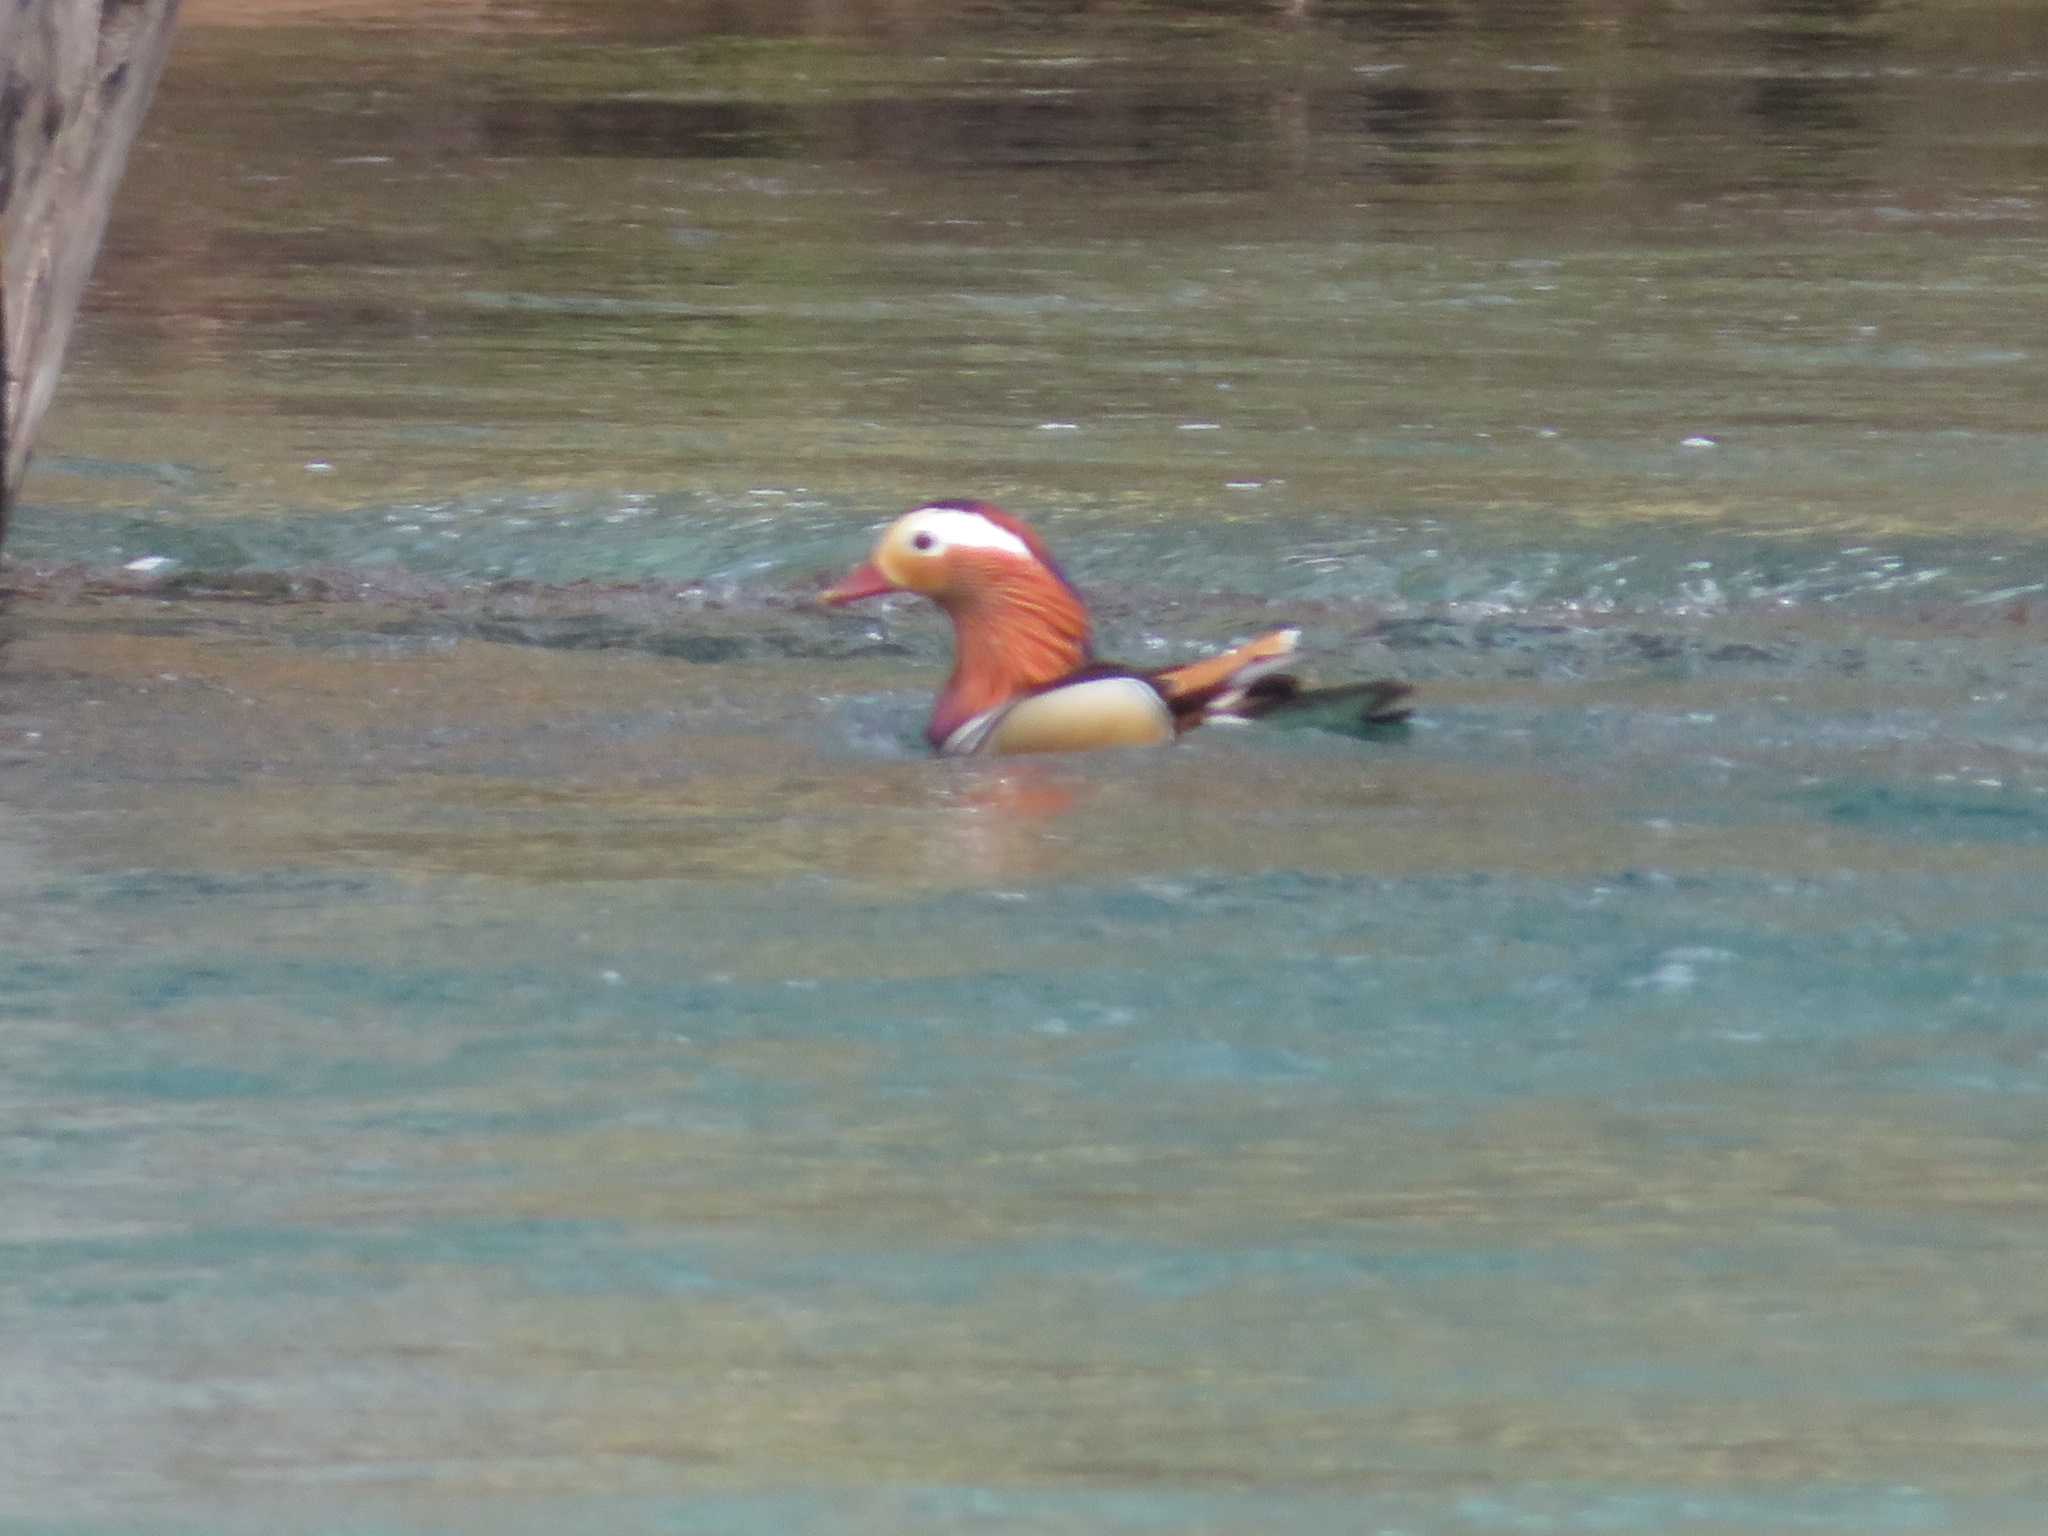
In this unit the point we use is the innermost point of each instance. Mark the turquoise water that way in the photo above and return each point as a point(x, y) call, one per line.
point(502, 1027)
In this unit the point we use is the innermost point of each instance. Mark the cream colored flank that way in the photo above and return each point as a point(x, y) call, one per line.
point(1106, 712)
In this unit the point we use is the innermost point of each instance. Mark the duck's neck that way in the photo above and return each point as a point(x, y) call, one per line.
point(1008, 640)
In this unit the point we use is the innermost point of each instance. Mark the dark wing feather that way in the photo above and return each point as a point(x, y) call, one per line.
point(1381, 702)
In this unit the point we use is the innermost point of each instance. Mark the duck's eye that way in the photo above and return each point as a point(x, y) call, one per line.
point(922, 542)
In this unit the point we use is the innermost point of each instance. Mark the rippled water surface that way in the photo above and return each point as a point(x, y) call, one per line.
point(502, 1029)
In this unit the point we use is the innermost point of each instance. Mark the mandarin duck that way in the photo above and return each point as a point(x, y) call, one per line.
point(1025, 678)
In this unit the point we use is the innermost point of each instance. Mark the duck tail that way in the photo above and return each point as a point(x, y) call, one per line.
point(1382, 702)
point(1248, 683)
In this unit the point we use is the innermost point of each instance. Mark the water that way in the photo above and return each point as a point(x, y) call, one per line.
point(503, 1029)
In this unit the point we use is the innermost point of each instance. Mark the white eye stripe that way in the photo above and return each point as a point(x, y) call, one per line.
point(965, 530)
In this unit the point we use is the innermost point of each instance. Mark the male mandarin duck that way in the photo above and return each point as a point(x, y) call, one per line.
point(1025, 678)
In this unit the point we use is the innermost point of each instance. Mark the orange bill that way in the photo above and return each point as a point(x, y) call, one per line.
point(864, 580)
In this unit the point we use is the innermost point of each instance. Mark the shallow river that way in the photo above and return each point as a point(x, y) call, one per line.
point(503, 1029)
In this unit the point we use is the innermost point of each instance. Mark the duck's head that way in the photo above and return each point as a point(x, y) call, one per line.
point(957, 553)
point(1018, 623)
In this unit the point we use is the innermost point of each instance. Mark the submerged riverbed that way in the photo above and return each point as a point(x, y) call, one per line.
point(503, 1028)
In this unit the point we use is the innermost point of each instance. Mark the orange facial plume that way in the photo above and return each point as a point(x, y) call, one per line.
point(1024, 675)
